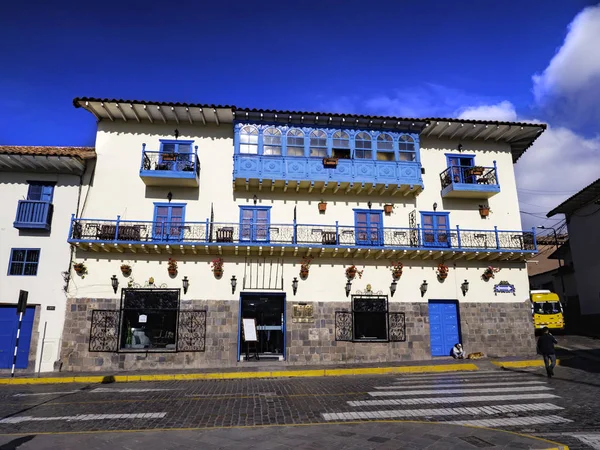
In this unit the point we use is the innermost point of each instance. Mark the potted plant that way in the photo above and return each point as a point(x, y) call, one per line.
point(484, 210)
point(80, 269)
point(442, 271)
point(125, 270)
point(172, 267)
point(352, 271)
point(305, 266)
point(217, 267)
point(396, 268)
point(151, 281)
point(477, 170)
point(330, 162)
point(322, 206)
point(388, 208)
point(489, 273)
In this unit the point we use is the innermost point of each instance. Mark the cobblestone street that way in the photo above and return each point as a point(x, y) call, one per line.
point(563, 409)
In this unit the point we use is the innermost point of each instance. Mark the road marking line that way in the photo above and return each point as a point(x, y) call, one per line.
point(460, 375)
point(458, 391)
point(511, 421)
point(455, 399)
point(591, 439)
point(129, 390)
point(46, 393)
point(84, 417)
point(476, 410)
point(436, 385)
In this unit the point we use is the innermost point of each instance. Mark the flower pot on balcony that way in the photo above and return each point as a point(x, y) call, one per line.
point(478, 170)
point(169, 157)
point(484, 211)
point(322, 206)
point(330, 162)
point(388, 208)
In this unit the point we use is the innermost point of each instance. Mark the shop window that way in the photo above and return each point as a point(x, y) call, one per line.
point(370, 318)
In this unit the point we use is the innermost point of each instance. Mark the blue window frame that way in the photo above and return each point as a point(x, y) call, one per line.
point(368, 226)
point(255, 222)
point(249, 140)
point(436, 229)
point(461, 168)
point(174, 154)
point(295, 142)
point(40, 191)
point(24, 261)
point(169, 221)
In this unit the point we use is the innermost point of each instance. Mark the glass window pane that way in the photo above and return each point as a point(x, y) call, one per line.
point(148, 329)
point(184, 148)
point(18, 255)
point(168, 148)
point(35, 192)
point(341, 140)
point(30, 269)
point(385, 142)
point(32, 256)
point(16, 268)
point(385, 156)
point(407, 156)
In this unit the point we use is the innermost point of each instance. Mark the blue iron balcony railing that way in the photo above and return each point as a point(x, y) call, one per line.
point(470, 182)
point(206, 234)
point(330, 173)
point(174, 169)
point(34, 215)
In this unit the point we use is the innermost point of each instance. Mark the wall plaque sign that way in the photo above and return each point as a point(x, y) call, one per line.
point(302, 313)
point(504, 287)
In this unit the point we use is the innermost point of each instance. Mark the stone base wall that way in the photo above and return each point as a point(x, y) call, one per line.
point(496, 329)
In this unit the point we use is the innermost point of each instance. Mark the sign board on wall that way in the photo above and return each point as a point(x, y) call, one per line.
point(504, 287)
point(249, 330)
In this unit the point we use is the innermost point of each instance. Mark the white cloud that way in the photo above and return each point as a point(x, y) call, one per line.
point(503, 111)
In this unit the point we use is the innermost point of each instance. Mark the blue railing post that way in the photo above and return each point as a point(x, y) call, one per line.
point(295, 235)
point(143, 156)
point(207, 230)
point(117, 228)
point(337, 233)
point(496, 174)
point(71, 226)
point(458, 236)
point(497, 239)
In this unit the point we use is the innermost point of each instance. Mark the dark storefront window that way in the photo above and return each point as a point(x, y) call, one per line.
point(370, 318)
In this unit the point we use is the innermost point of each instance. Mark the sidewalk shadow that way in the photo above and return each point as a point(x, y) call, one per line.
point(16, 443)
point(587, 360)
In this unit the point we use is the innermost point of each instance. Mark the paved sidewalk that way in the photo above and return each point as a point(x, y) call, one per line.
point(353, 435)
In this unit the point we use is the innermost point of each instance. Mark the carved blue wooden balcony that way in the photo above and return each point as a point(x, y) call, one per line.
point(170, 169)
point(469, 182)
point(281, 239)
point(34, 215)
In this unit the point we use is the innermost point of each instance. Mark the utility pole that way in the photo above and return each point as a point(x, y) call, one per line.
point(560, 265)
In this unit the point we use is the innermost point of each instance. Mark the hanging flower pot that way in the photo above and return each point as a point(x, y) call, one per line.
point(352, 271)
point(484, 210)
point(80, 269)
point(304, 267)
point(388, 208)
point(125, 270)
point(442, 271)
point(217, 267)
point(172, 267)
point(396, 268)
point(322, 206)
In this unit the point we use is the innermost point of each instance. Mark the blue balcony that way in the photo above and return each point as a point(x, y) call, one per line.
point(469, 182)
point(34, 215)
point(315, 174)
point(170, 169)
point(281, 239)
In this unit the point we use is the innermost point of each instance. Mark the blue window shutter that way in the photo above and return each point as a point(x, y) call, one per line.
point(40, 192)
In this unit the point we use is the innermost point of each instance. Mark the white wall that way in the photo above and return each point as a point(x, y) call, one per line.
point(583, 229)
point(45, 289)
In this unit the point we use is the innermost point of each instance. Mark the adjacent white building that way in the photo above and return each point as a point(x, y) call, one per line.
point(40, 189)
point(262, 192)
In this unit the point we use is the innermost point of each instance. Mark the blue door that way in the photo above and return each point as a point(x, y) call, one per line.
point(461, 167)
point(255, 222)
point(175, 155)
point(369, 230)
point(168, 222)
point(444, 326)
point(436, 227)
point(9, 322)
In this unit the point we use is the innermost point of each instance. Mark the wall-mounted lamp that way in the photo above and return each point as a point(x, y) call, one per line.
point(170, 196)
point(115, 283)
point(435, 206)
point(348, 287)
point(369, 204)
point(295, 285)
point(423, 288)
point(393, 287)
point(176, 133)
point(255, 198)
point(233, 284)
point(186, 284)
point(460, 147)
point(464, 287)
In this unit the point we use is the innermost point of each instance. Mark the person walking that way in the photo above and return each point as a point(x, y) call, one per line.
point(545, 346)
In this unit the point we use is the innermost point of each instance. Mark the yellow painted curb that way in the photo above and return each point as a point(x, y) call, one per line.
point(521, 364)
point(245, 375)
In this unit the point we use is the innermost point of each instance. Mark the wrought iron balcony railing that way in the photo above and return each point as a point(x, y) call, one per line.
point(477, 175)
point(173, 162)
point(295, 234)
point(34, 214)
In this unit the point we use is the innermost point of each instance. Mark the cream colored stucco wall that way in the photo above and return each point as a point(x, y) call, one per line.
point(46, 288)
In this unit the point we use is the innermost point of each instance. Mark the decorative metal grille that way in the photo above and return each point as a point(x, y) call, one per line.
point(263, 274)
point(104, 333)
point(343, 326)
point(191, 331)
point(150, 299)
point(414, 232)
point(369, 304)
point(397, 324)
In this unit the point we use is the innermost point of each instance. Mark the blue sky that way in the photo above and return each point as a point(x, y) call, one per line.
point(414, 58)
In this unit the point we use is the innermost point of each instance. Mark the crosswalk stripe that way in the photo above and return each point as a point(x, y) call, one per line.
point(476, 410)
point(452, 376)
point(454, 399)
point(459, 391)
point(84, 417)
point(444, 385)
point(511, 421)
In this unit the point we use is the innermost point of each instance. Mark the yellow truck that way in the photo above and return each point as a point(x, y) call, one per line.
point(547, 310)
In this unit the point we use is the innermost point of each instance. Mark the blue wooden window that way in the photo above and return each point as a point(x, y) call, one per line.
point(461, 168)
point(295, 142)
point(255, 222)
point(272, 141)
point(368, 226)
point(40, 191)
point(318, 143)
point(340, 145)
point(362, 146)
point(406, 148)
point(385, 147)
point(249, 140)
point(24, 261)
point(169, 221)
point(175, 153)
point(436, 229)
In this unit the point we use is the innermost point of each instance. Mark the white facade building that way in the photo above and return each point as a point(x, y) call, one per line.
point(264, 190)
point(40, 189)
